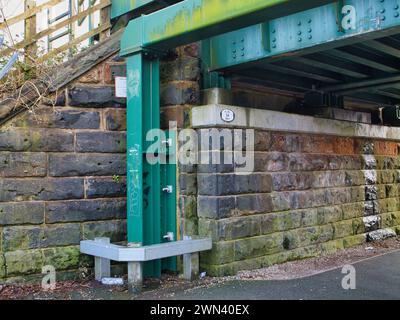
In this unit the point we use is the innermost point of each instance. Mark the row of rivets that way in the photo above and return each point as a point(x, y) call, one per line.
point(234, 51)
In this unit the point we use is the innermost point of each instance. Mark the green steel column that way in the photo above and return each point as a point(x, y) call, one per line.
point(143, 178)
point(135, 149)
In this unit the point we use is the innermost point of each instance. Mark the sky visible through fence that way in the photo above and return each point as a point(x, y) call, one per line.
point(12, 8)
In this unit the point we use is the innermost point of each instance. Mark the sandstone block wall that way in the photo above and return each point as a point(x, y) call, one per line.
point(63, 167)
point(309, 194)
point(62, 178)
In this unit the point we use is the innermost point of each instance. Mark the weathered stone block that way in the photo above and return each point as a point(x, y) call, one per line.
point(307, 162)
point(216, 185)
point(40, 189)
point(180, 93)
point(353, 241)
point(329, 214)
point(2, 266)
point(355, 210)
point(254, 204)
point(114, 69)
point(388, 205)
point(179, 114)
point(272, 259)
point(215, 207)
point(312, 217)
point(358, 178)
point(371, 223)
point(387, 176)
point(89, 96)
point(368, 162)
point(292, 181)
point(280, 221)
point(218, 270)
point(64, 165)
point(381, 234)
point(386, 148)
point(23, 164)
point(115, 119)
point(386, 163)
point(392, 191)
point(237, 228)
point(22, 238)
point(248, 264)
point(262, 140)
point(221, 253)
point(208, 228)
point(22, 262)
point(21, 213)
point(281, 201)
point(356, 194)
point(61, 118)
point(57, 100)
point(253, 183)
point(95, 75)
point(101, 142)
point(258, 246)
point(343, 229)
point(270, 161)
point(371, 193)
point(115, 230)
point(282, 142)
point(188, 184)
point(190, 227)
point(62, 258)
point(105, 187)
point(333, 246)
point(36, 140)
point(215, 162)
point(188, 207)
point(182, 69)
point(85, 210)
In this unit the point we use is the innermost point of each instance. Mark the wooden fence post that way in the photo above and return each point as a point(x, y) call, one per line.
point(105, 17)
point(30, 29)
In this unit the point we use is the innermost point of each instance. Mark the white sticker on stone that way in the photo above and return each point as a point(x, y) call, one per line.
point(227, 115)
point(120, 87)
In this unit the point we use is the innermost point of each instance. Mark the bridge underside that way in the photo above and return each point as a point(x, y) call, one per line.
point(347, 48)
point(366, 72)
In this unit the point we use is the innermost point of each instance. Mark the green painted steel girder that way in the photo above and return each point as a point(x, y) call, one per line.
point(330, 26)
point(193, 20)
point(121, 7)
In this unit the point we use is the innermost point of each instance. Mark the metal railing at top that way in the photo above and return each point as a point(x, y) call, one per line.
point(65, 22)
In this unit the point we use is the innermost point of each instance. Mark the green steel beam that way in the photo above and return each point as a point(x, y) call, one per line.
point(194, 20)
point(121, 7)
point(306, 32)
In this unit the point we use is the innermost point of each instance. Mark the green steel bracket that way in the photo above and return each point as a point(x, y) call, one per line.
point(326, 27)
point(211, 79)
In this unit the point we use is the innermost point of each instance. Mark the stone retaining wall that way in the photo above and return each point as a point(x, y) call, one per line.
point(62, 178)
point(63, 167)
point(309, 193)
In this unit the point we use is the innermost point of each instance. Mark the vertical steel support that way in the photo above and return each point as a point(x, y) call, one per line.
point(168, 200)
point(143, 179)
point(211, 79)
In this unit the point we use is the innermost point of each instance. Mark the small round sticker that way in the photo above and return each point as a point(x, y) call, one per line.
point(227, 115)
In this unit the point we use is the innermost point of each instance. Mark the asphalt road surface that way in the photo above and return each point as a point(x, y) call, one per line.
point(376, 278)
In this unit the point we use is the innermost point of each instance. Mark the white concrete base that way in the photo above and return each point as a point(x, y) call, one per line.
point(103, 252)
point(209, 116)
